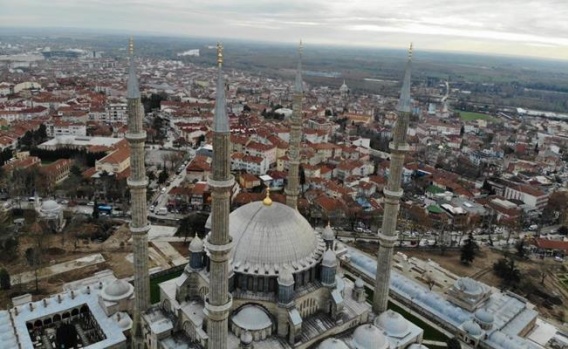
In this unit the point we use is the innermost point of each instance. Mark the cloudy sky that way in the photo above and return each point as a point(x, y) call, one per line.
point(518, 27)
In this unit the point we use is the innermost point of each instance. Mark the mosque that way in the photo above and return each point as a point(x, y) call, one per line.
point(263, 277)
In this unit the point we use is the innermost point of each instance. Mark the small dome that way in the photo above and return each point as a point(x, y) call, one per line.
point(329, 259)
point(333, 343)
point(246, 337)
point(369, 337)
point(196, 244)
point(328, 233)
point(50, 206)
point(469, 286)
point(286, 278)
point(392, 323)
point(484, 316)
point(359, 283)
point(417, 346)
point(117, 290)
point(123, 320)
point(252, 318)
point(471, 328)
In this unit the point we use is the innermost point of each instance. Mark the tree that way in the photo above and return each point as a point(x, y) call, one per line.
point(163, 177)
point(453, 343)
point(4, 279)
point(507, 271)
point(520, 247)
point(96, 212)
point(469, 250)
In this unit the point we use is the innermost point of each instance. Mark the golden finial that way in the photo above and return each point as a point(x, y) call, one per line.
point(410, 52)
point(131, 46)
point(267, 200)
point(219, 54)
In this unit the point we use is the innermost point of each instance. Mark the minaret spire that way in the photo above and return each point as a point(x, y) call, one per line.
point(295, 137)
point(393, 193)
point(219, 301)
point(137, 183)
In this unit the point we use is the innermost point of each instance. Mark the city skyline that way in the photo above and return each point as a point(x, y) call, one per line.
point(520, 27)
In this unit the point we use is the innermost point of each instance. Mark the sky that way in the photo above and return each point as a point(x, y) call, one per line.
point(535, 28)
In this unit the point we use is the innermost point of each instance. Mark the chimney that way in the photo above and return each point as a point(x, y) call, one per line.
point(88, 289)
point(31, 307)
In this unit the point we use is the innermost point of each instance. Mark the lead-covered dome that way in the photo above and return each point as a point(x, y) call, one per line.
point(393, 324)
point(117, 290)
point(333, 343)
point(270, 236)
point(484, 316)
point(369, 337)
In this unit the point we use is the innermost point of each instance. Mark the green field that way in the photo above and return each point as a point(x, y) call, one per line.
point(154, 282)
point(470, 116)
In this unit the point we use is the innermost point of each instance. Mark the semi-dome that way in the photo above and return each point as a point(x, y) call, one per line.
point(117, 290)
point(252, 318)
point(471, 328)
point(392, 323)
point(196, 244)
point(271, 236)
point(484, 316)
point(328, 233)
point(333, 343)
point(369, 337)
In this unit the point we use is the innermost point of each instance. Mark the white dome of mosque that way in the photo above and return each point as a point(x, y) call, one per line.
point(117, 290)
point(392, 323)
point(333, 343)
point(328, 233)
point(344, 87)
point(417, 346)
point(252, 317)
point(196, 244)
point(271, 235)
point(246, 337)
point(469, 286)
point(359, 283)
point(49, 206)
point(123, 320)
point(484, 316)
point(369, 337)
point(471, 328)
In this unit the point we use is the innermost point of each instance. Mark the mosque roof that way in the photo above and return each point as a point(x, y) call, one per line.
point(328, 233)
point(369, 337)
point(252, 317)
point(272, 236)
point(333, 343)
point(393, 324)
point(117, 290)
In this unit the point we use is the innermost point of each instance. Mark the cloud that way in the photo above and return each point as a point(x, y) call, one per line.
point(525, 23)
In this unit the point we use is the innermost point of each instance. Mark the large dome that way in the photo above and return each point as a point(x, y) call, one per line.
point(333, 343)
point(268, 237)
point(117, 290)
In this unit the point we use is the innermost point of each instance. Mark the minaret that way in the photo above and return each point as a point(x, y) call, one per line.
point(137, 183)
point(292, 189)
point(393, 193)
point(218, 302)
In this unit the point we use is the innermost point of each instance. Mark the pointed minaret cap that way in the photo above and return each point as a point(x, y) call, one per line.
point(220, 120)
point(133, 91)
point(298, 85)
point(328, 233)
point(404, 101)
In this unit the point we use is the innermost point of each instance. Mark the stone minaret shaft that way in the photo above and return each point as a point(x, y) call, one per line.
point(292, 188)
point(218, 302)
point(393, 193)
point(137, 183)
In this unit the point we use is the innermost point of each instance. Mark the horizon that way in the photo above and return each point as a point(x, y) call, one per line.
point(522, 28)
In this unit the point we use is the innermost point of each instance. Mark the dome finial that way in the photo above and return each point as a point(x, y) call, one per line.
point(267, 200)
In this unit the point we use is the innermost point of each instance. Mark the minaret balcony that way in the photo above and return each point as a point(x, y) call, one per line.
point(138, 136)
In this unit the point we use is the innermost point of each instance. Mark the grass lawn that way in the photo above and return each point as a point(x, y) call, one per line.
point(154, 282)
point(470, 116)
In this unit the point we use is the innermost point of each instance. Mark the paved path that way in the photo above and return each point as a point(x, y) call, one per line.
point(56, 269)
